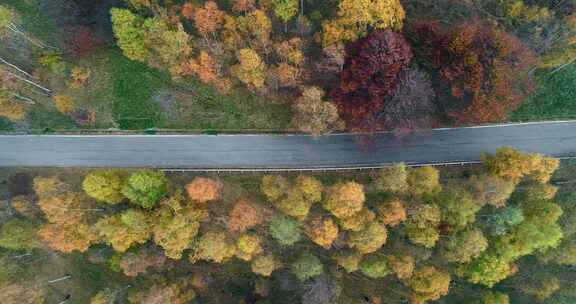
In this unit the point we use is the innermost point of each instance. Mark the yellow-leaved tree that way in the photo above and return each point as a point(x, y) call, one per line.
point(356, 16)
point(251, 70)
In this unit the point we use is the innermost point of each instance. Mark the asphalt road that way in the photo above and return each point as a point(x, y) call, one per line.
point(282, 151)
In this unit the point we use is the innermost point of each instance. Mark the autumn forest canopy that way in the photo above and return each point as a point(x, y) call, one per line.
point(500, 232)
point(314, 66)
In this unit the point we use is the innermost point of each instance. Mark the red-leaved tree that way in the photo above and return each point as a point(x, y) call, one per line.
point(482, 72)
point(371, 70)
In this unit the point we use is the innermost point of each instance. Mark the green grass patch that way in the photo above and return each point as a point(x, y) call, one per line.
point(41, 117)
point(34, 21)
point(134, 84)
point(555, 97)
point(203, 107)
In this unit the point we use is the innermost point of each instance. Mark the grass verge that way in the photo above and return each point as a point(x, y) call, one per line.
point(554, 99)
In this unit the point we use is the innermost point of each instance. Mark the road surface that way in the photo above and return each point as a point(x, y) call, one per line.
point(282, 151)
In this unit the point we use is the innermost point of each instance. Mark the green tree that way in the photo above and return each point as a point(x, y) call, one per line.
point(174, 230)
point(464, 246)
point(151, 40)
point(145, 188)
point(487, 270)
point(104, 185)
point(285, 9)
point(541, 211)
point(307, 266)
point(428, 283)
point(358, 221)
point(528, 237)
point(375, 266)
point(248, 246)
point(168, 45)
point(274, 186)
point(393, 179)
point(348, 259)
point(213, 246)
point(285, 231)
point(422, 225)
point(424, 181)
point(369, 239)
point(491, 190)
point(130, 34)
point(503, 220)
point(250, 70)
point(310, 187)
point(314, 115)
point(18, 234)
point(564, 254)
point(458, 208)
point(490, 297)
point(264, 265)
point(403, 265)
point(125, 229)
point(294, 204)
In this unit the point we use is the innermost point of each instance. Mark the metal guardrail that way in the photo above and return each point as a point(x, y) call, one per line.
point(318, 169)
point(331, 169)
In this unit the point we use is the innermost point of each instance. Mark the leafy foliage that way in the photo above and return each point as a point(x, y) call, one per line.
point(175, 229)
point(513, 165)
point(422, 225)
point(145, 188)
point(104, 186)
point(369, 239)
point(18, 235)
point(68, 238)
point(483, 70)
point(392, 179)
point(244, 215)
point(285, 231)
point(264, 265)
point(375, 267)
point(356, 17)
point(203, 190)
point(322, 231)
point(124, 230)
point(410, 105)
point(465, 246)
point(315, 116)
point(213, 246)
point(370, 72)
point(424, 181)
point(428, 283)
point(307, 266)
point(344, 199)
point(392, 213)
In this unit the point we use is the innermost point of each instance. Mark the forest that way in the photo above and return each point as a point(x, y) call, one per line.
point(495, 233)
point(312, 66)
